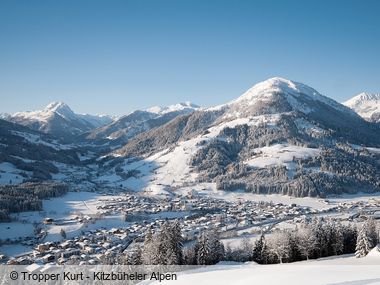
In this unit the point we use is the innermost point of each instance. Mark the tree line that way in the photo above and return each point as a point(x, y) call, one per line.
point(310, 240)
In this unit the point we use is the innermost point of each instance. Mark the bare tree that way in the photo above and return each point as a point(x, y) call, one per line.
point(307, 241)
point(278, 245)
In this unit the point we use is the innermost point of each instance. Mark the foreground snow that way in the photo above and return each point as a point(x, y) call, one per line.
point(335, 270)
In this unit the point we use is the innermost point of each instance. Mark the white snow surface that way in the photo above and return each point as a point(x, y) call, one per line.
point(280, 154)
point(9, 173)
point(336, 270)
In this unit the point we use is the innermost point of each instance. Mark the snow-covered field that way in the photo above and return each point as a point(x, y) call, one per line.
point(280, 154)
point(10, 174)
point(15, 230)
point(336, 270)
point(209, 189)
point(65, 211)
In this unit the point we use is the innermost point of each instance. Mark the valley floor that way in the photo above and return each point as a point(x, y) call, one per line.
point(237, 215)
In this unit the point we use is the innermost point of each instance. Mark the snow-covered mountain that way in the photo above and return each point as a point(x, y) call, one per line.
point(366, 105)
point(186, 107)
point(58, 119)
point(278, 137)
point(137, 122)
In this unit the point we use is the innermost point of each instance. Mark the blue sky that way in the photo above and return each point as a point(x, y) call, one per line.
point(117, 56)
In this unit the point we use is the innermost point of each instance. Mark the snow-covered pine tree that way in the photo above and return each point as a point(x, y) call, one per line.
point(172, 241)
point(216, 247)
point(337, 238)
point(202, 250)
point(372, 232)
point(363, 243)
point(208, 249)
point(317, 228)
point(149, 250)
point(134, 255)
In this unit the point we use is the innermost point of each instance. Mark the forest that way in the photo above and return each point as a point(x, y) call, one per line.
point(27, 197)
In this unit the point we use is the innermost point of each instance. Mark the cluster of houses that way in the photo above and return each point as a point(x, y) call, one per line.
point(197, 214)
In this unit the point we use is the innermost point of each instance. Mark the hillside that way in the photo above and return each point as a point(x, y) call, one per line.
point(278, 137)
point(27, 155)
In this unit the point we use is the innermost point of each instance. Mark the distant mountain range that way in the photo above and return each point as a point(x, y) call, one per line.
point(280, 136)
point(137, 122)
point(59, 120)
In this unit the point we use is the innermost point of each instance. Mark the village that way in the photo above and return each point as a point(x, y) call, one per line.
point(196, 213)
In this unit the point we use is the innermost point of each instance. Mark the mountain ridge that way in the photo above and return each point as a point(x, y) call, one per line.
point(126, 127)
point(57, 118)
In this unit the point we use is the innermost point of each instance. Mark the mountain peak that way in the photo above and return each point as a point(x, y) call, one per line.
point(277, 85)
point(60, 108)
point(367, 105)
point(56, 106)
point(361, 98)
point(277, 95)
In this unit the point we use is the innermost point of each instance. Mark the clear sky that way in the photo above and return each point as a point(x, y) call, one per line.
point(116, 56)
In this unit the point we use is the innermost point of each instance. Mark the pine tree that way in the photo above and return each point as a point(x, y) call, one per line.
point(317, 228)
point(349, 241)
point(216, 247)
point(172, 242)
point(202, 250)
point(363, 243)
point(149, 251)
point(260, 250)
point(209, 250)
point(164, 247)
point(337, 238)
point(63, 233)
point(134, 255)
point(372, 233)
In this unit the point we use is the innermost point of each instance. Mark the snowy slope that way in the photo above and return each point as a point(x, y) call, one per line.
point(367, 105)
point(334, 270)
